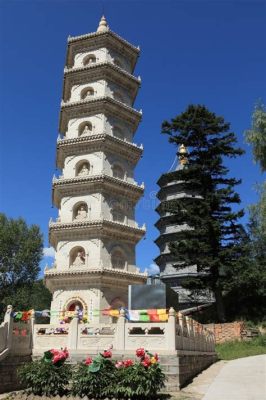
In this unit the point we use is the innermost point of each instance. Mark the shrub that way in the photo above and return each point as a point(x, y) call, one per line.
point(139, 380)
point(48, 376)
point(95, 378)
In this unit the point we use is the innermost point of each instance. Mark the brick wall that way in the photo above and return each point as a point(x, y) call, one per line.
point(226, 332)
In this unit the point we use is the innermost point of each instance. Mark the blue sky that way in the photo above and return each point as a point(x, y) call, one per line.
point(208, 52)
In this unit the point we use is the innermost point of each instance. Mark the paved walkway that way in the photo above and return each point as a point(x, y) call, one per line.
point(241, 379)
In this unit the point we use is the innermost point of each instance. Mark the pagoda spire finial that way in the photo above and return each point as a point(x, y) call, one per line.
point(183, 160)
point(103, 26)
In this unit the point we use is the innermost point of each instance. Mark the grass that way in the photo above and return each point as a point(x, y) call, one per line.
point(239, 349)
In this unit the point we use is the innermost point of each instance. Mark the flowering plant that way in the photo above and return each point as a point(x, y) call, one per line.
point(48, 376)
point(95, 378)
point(140, 379)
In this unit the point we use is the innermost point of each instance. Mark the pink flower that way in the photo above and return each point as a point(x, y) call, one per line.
point(140, 352)
point(88, 361)
point(128, 363)
point(119, 364)
point(107, 354)
point(156, 356)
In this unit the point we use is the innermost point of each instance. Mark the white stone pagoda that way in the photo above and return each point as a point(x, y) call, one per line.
point(95, 234)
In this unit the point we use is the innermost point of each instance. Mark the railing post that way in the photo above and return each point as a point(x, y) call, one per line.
point(120, 331)
point(32, 325)
point(73, 331)
point(9, 319)
point(171, 330)
point(190, 333)
point(181, 325)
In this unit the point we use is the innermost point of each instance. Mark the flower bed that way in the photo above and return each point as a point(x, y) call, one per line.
point(98, 378)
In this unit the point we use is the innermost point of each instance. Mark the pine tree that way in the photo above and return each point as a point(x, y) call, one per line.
point(212, 239)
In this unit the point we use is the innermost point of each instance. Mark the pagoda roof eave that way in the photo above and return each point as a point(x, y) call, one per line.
point(165, 220)
point(96, 142)
point(55, 278)
point(104, 104)
point(163, 257)
point(91, 228)
point(100, 183)
point(166, 238)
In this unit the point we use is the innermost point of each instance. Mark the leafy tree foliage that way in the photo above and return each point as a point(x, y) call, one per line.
point(212, 240)
point(30, 296)
point(256, 135)
point(20, 254)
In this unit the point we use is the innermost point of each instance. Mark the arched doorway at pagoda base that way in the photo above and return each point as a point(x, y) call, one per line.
point(74, 302)
point(74, 305)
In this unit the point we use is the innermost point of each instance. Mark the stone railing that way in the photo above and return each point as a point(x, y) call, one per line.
point(15, 337)
point(6, 334)
point(178, 333)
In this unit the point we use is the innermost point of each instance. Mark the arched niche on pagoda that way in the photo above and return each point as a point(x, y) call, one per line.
point(77, 257)
point(118, 171)
point(85, 128)
point(75, 301)
point(82, 168)
point(89, 59)
point(80, 211)
point(116, 304)
point(118, 258)
point(87, 93)
point(118, 213)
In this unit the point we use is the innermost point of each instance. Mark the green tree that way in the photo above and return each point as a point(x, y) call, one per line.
point(20, 254)
point(213, 238)
point(246, 295)
point(30, 296)
point(256, 135)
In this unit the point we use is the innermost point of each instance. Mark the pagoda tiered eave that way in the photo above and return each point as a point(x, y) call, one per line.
point(104, 70)
point(101, 228)
point(100, 142)
point(102, 105)
point(63, 187)
point(96, 277)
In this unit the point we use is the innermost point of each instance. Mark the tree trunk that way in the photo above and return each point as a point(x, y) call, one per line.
point(219, 304)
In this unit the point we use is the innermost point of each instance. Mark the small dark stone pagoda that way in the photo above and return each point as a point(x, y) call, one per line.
point(170, 189)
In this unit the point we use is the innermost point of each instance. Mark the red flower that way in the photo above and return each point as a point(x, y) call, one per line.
point(128, 363)
point(107, 354)
point(59, 355)
point(88, 361)
point(156, 356)
point(140, 352)
point(146, 362)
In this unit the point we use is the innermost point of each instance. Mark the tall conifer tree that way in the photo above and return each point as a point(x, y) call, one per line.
point(212, 239)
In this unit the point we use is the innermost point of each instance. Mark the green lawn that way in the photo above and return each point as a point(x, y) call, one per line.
point(237, 349)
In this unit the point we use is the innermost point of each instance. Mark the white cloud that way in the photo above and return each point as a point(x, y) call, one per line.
point(49, 252)
point(153, 269)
